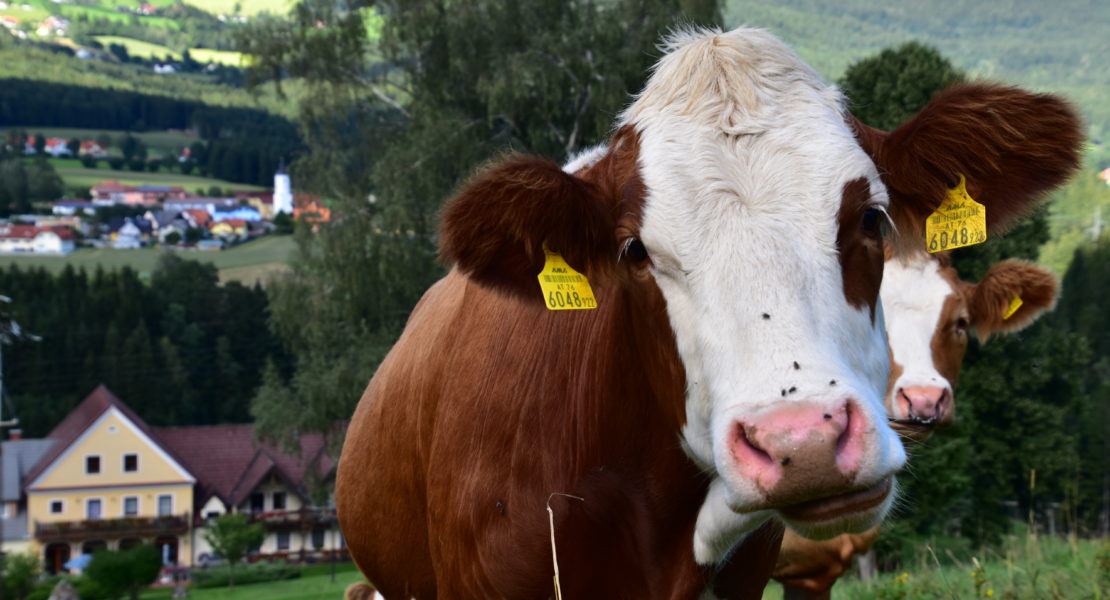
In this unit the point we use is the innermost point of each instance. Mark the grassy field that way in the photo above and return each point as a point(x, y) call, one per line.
point(224, 57)
point(35, 15)
point(247, 8)
point(77, 177)
point(314, 584)
point(1024, 568)
point(138, 47)
point(254, 261)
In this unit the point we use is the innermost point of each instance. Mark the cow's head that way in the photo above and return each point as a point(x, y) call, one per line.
point(739, 190)
point(930, 312)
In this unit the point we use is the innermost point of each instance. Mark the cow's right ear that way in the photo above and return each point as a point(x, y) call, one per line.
point(495, 228)
point(1010, 145)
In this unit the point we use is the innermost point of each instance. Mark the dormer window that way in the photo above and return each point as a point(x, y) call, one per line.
point(92, 464)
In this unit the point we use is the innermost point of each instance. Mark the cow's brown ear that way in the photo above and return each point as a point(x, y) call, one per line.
point(495, 228)
point(1010, 145)
point(991, 301)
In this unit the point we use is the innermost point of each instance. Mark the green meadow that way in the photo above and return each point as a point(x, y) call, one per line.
point(254, 261)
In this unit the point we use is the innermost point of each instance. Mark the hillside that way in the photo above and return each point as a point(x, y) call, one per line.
point(1060, 47)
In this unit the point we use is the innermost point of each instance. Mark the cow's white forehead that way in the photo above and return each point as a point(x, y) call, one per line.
point(913, 294)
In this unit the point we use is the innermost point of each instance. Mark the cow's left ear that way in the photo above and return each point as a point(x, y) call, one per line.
point(494, 229)
point(1010, 145)
point(991, 301)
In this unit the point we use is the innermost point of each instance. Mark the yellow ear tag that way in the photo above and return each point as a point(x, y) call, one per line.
point(563, 287)
point(959, 221)
point(1015, 304)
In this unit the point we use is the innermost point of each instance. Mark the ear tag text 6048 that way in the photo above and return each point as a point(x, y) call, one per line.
point(959, 221)
point(563, 287)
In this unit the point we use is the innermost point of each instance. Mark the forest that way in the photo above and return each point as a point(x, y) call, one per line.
point(391, 123)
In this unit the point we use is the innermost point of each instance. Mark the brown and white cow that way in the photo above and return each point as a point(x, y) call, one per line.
point(929, 313)
point(733, 373)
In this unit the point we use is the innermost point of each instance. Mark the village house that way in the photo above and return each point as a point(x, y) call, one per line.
point(310, 208)
point(92, 148)
point(110, 193)
point(207, 204)
point(104, 479)
point(31, 239)
point(128, 233)
point(228, 228)
point(73, 207)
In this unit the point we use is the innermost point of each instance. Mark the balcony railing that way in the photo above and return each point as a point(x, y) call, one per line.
point(295, 519)
point(113, 528)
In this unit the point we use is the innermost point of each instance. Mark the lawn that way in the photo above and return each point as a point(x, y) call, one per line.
point(315, 586)
point(78, 177)
point(224, 57)
point(138, 47)
point(247, 8)
point(1022, 568)
point(246, 263)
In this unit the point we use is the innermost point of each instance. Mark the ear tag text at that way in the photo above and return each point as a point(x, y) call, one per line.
point(1015, 304)
point(959, 221)
point(564, 288)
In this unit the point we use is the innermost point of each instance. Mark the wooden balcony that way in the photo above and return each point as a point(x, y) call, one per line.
point(112, 528)
point(304, 518)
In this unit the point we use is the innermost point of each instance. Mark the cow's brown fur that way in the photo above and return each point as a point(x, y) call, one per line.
point(861, 254)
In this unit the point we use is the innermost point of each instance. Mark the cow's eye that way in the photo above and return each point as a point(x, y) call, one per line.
point(633, 250)
point(872, 221)
point(961, 325)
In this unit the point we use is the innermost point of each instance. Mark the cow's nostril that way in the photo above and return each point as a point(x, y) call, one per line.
point(845, 433)
point(746, 447)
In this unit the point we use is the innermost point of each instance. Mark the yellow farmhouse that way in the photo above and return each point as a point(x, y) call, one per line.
point(104, 479)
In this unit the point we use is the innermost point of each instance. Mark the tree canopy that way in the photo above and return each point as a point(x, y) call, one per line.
point(405, 101)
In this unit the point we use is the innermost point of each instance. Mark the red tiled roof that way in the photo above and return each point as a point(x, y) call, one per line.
point(26, 232)
point(17, 231)
point(235, 222)
point(229, 463)
point(200, 216)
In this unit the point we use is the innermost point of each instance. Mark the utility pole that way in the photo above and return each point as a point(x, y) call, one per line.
point(10, 331)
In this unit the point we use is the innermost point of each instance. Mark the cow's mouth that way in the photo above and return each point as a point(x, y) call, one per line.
point(831, 507)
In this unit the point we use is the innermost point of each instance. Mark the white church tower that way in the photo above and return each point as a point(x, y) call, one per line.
point(283, 191)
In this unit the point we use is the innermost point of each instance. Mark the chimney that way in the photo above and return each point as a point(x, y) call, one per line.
point(15, 434)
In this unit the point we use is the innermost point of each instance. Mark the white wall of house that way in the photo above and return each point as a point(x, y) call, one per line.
point(49, 242)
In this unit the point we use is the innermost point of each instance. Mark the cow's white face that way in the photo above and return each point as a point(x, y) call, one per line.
point(760, 218)
point(927, 322)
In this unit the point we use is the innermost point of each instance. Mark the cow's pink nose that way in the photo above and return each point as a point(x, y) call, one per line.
point(800, 451)
point(924, 403)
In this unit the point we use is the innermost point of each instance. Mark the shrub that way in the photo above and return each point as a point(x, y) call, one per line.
point(219, 576)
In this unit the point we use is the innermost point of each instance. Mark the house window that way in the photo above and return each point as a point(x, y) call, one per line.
point(165, 505)
point(57, 507)
point(130, 463)
point(317, 538)
point(93, 508)
point(283, 540)
point(279, 500)
point(92, 464)
point(257, 501)
point(130, 506)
